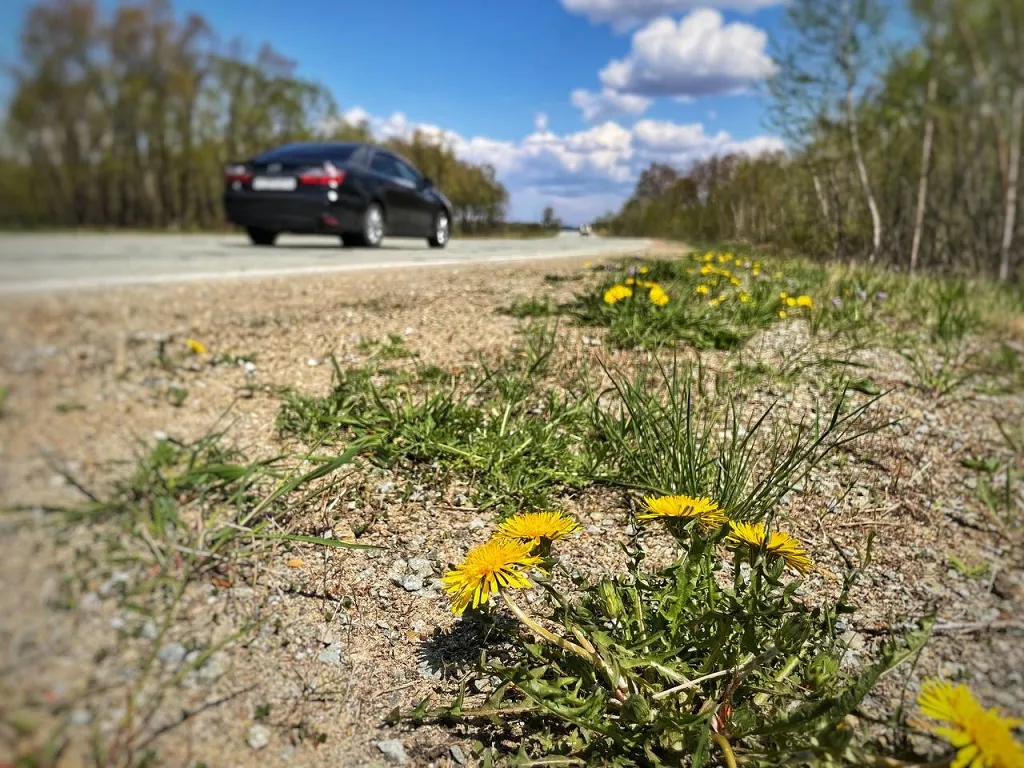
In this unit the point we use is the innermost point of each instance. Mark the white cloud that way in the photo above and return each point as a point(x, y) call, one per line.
point(540, 122)
point(680, 145)
point(607, 103)
point(626, 14)
point(699, 55)
point(582, 174)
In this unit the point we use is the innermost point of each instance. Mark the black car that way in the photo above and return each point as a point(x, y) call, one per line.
point(357, 191)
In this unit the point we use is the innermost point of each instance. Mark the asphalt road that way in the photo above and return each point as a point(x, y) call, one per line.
point(58, 262)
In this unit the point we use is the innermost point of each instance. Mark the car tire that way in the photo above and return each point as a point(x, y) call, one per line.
point(260, 236)
point(373, 226)
point(441, 233)
point(351, 240)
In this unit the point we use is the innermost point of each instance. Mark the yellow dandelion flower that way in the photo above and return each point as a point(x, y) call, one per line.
point(486, 569)
point(702, 289)
point(778, 543)
point(724, 258)
point(703, 509)
point(805, 301)
point(196, 347)
point(783, 295)
point(629, 281)
point(983, 738)
point(778, 275)
point(734, 280)
point(713, 282)
point(658, 297)
point(756, 270)
point(709, 256)
point(716, 301)
point(744, 297)
point(790, 302)
point(533, 526)
point(782, 314)
point(643, 270)
point(617, 293)
point(707, 269)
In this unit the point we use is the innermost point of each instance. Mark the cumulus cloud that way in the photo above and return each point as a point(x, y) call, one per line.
point(680, 145)
point(699, 55)
point(607, 103)
point(582, 174)
point(626, 14)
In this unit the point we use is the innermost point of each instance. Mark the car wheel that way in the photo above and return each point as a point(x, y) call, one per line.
point(373, 226)
point(260, 236)
point(442, 230)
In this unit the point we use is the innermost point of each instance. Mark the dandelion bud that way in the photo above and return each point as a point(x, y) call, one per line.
point(611, 602)
point(637, 709)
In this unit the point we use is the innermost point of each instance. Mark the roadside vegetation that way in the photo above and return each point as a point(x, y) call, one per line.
point(731, 389)
point(908, 153)
point(219, 106)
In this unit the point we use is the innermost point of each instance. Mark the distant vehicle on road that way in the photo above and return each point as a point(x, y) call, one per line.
point(585, 230)
point(357, 191)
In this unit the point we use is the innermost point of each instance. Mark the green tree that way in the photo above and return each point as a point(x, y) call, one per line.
point(127, 120)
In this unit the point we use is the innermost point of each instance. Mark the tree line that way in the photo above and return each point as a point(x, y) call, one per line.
point(905, 155)
point(127, 119)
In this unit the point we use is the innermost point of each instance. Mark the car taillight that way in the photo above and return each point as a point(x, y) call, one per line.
point(239, 173)
point(327, 176)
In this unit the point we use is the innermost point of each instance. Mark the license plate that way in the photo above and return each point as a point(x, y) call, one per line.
point(272, 183)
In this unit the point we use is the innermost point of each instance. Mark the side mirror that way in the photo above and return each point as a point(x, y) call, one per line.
point(427, 182)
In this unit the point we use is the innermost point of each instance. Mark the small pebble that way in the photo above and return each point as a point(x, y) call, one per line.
point(393, 750)
point(81, 716)
point(331, 654)
point(172, 653)
point(412, 583)
point(258, 736)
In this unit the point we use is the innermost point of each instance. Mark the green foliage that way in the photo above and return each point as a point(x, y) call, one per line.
point(682, 666)
point(715, 301)
point(882, 142)
point(937, 371)
point(392, 349)
point(528, 308)
point(515, 441)
point(1003, 497)
point(240, 502)
point(708, 660)
point(968, 570)
point(195, 103)
point(953, 314)
point(667, 431)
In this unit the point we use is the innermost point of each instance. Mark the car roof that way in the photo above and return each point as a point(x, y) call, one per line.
point(284, 151)
point(302, 147)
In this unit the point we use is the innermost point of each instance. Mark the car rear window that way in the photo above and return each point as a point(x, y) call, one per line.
point(303, 155)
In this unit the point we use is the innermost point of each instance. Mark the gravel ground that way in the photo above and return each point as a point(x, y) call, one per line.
point(342, 637)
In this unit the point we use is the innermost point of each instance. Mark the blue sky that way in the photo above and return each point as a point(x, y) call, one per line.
point(569, 99)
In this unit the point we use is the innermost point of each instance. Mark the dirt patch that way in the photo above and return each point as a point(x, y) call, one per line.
point(299, 660)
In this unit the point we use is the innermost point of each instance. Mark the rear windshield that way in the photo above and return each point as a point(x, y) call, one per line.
point(305, 154)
